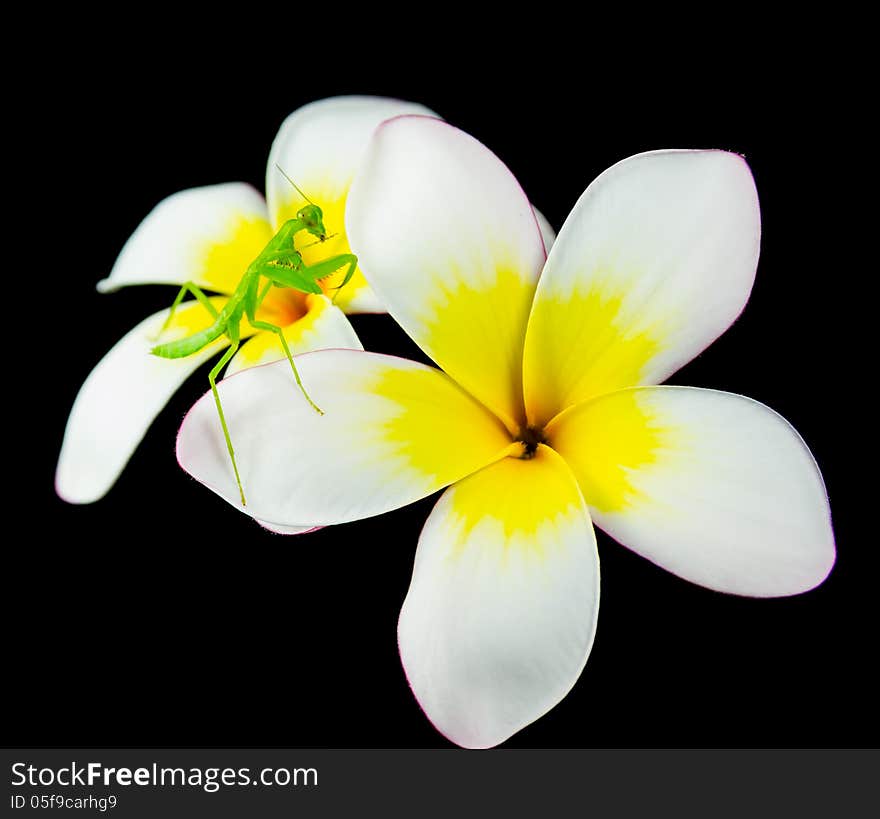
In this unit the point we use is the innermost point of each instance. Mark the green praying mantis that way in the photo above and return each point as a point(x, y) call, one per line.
point(281, 265)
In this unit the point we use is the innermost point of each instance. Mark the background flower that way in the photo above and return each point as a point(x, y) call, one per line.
point(209, 236)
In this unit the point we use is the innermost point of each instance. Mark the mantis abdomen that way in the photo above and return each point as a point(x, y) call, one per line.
point(191, 344)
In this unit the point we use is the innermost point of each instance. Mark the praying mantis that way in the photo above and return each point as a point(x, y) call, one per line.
point(281, 265)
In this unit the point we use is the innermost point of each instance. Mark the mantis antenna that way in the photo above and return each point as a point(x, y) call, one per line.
point(281, 171)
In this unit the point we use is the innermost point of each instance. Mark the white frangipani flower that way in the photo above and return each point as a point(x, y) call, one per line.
point(544, 418)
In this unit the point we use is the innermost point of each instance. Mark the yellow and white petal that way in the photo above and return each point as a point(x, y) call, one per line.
point(655, 261)
point(714, 487)
point(547, 232)
point(393, 431)
point(205, 235)
point(320, 146)
point(450, 244)
point(322, 326)
point(119, 400)
point(501, 612)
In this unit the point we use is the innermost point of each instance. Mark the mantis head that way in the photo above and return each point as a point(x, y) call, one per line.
point(313, 218)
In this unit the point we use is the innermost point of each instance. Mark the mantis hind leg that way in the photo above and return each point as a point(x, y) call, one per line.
point(187, 287)
point(272, 328)
point(212, 378)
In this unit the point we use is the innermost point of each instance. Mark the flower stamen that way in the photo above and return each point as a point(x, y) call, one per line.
point(531, 438)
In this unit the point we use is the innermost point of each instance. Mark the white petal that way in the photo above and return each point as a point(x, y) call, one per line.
point(119, 400)
point(654, 262)
point(501, 613)
point(547, 232)
point(205, 235)
point(393, 431)
point(450, 244)
point(714, 487)
point(287, 530)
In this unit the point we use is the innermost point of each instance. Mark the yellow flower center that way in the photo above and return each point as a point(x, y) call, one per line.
point(282, 306)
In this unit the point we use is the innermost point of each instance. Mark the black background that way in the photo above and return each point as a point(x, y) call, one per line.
point(158, 616)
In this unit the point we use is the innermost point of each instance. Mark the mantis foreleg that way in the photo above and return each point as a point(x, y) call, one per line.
point(305, 278)
point(326, 267)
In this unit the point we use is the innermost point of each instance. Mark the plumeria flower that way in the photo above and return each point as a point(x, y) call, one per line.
point(209, 236)
point(544, 418)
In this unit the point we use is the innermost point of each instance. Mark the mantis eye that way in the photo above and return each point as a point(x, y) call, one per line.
point(310, 214)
